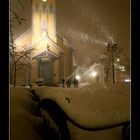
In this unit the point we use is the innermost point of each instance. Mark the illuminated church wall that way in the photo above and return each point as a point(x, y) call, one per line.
point(66, 59)
point(42, 36)
point(43, 24)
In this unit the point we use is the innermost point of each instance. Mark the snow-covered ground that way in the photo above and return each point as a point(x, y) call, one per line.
point(108, 134)
point(25, 118)
point(26, 121)
point(93, 107)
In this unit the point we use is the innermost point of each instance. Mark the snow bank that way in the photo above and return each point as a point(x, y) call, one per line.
point(25, 118)
point(92, 107)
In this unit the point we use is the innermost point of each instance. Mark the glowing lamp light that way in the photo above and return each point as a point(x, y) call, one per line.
point(127, 80)
point(77, 77)
point(122, 68)
point(93, 74)
point(118, 59)
point(44, 0)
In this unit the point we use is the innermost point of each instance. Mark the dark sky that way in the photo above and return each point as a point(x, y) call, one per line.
point(89, 25)
point(24, 12)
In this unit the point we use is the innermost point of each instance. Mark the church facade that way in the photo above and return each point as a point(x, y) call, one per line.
point(52, 58)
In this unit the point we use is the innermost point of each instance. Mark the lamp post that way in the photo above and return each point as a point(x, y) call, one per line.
point(112, 47)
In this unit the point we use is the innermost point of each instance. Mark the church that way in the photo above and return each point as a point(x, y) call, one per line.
point(52, 58)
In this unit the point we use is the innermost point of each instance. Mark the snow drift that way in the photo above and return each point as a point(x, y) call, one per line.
point(93, 107)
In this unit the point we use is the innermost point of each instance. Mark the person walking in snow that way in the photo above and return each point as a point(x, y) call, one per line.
point(75, 83)
point(68, 83)
point(63, 83)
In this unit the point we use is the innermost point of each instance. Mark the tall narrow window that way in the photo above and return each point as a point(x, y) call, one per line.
point(51, 9)
point(43, 8)
point(43, 21)
point(36, 7)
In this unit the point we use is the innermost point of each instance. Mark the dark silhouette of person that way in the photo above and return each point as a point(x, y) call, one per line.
point(75, 83)
point(63, 83)
point(68, 83)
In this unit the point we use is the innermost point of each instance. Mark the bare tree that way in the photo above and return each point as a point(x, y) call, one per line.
point(19, 58)
point(107, 60)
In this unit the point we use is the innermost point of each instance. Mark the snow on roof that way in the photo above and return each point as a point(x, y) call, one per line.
point(23, 35)
point(92, 107)
point(66, 42)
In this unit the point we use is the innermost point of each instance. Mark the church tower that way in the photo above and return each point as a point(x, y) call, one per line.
point(44, 39)
point(43, 19)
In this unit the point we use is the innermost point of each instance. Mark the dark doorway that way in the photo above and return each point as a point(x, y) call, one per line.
point(45, 71)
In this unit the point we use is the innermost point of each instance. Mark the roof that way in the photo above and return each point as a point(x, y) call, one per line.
point(23, 34)
point(53, 43)
point(44, 53)
point(38, 41)
point(66, 41)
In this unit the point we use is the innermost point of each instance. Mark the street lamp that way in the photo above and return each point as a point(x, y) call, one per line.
point(44, 0)
point(93, 74)
point(118, 60)
point(112, 47)
point(78, 77)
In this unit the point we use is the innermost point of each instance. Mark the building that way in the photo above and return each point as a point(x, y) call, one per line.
point(52, 58)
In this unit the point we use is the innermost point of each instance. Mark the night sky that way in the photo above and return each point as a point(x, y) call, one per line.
point(88, 25)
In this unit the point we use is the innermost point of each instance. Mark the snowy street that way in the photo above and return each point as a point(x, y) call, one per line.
point(26, 121)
